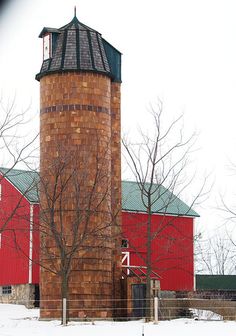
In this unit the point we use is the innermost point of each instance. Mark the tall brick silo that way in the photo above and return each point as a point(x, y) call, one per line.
point(80, 130)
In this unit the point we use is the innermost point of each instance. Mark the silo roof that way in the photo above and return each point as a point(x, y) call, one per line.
point(77, 47)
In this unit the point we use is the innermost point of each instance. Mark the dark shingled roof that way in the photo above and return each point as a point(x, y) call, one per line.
point(166, 202)
point(77, 47)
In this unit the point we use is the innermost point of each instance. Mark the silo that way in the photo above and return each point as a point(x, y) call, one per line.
point(80, 189)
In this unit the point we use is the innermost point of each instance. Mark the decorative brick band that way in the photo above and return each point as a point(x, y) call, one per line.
point(75, 107)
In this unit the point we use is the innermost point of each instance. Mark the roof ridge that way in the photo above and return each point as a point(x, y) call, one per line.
point(78, 24)
point(17, 169)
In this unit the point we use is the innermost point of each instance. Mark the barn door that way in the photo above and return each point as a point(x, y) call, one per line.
point(138, 298)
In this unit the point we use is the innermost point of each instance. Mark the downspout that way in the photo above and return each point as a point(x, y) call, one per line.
point(31, 242)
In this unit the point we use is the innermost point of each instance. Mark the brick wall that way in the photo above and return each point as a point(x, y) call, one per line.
point(76, 126)
point(116, 192)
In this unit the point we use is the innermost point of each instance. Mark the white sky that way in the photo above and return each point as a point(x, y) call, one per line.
point(183, 52)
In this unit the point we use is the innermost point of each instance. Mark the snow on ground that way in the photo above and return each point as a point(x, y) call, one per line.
point(206, 315)
point(16, 320)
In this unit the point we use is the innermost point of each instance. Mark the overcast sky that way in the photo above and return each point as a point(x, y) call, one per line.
point(180, 51)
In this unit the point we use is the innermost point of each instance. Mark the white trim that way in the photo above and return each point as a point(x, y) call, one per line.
point(126, 257)
point(31, 242)
point(160, 214)
point(47, 46)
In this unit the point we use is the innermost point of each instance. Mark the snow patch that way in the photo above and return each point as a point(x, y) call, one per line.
point(17, 320)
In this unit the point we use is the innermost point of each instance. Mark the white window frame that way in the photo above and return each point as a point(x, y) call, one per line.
point(125, 243)
point(47, 47)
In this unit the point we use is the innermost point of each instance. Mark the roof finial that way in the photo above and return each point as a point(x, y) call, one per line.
point(75, 11)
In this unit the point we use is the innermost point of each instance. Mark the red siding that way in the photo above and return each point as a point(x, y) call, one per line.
point(172, 247)
point(14, 251)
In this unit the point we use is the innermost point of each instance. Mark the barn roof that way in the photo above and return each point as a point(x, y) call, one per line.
point(23, 180)
point(164, 201)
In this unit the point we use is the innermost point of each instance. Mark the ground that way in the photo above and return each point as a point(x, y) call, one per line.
point(17, 320)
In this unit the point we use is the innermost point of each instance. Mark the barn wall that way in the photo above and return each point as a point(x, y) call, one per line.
point(172, 247)
point(20, 294)
point(15, 237)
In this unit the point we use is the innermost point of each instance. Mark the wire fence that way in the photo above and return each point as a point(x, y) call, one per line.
point(155, 310)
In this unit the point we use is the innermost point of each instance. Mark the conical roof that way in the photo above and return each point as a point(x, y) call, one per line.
point(77, 47)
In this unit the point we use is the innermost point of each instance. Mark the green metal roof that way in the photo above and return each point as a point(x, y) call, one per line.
point(164, 201)
point(25, 181)
point(215, 282)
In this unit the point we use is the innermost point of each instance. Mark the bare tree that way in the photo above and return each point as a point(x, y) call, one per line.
point(16, 146)
point(218, 252)
point(159, 159)
point(75, 216)
point(63, 193)
point(230, 218)
point(216, 255)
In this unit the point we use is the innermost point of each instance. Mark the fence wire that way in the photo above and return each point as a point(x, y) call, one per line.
point(129, 309)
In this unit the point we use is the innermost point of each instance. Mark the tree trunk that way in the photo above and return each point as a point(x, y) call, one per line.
point(64, 295)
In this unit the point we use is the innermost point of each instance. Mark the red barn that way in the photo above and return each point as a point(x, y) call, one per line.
point(172, 233)
point(172, 237)
point(19, 276)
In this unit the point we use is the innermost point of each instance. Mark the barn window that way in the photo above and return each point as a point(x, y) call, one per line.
point(6, 290)
point(125, 243)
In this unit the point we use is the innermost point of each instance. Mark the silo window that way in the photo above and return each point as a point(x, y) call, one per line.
point(125, 243)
